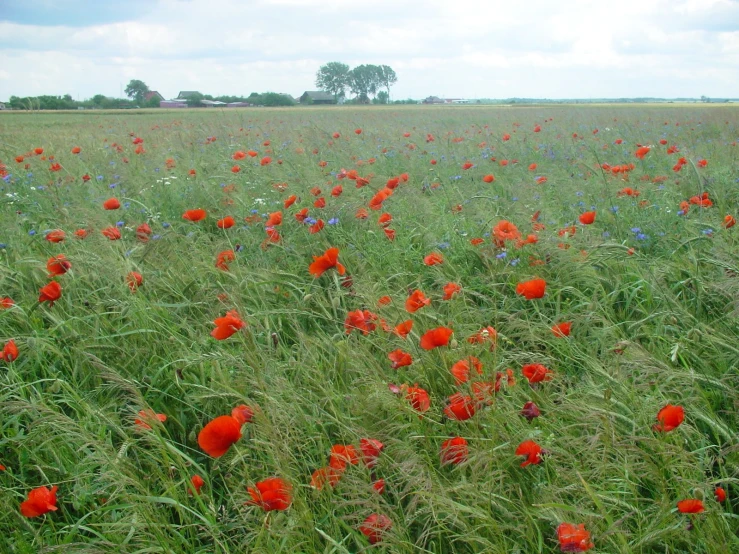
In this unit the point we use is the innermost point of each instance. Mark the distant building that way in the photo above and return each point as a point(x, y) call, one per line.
point(2, 105)
point(238, 105)
point(173, 104)
point(185, 94)
point(153, 94)
point(213, 103)
point(317, 97)
point(433, 100)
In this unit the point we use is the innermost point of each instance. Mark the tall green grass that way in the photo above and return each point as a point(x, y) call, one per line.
point(654, 327)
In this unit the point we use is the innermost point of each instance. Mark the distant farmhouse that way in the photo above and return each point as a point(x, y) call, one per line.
point(185, 94)
point(153, 94)
point(437, 100)
point(2, 105)
point(317, 97)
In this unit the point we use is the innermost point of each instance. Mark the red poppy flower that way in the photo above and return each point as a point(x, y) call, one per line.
point(450, 289)
point(454, 451)
point(531, 450)
point(197, 483)
point(274, 219)
point(361, 320)
point(670, 417)
point(58, 265)
point(562, 329)
point(223, 258)
point(6, 302)
point(142, 232)
point(729, 222)
point(328, 474)
point(371, 449)
point(489, 178)
point(9, 352)
point(460, 407)
point(536, 373)
point(134, 280)
point(379, 486)
point(326, 261)
point(375, 527)
point(436, 337)
point(587, 218)
point(146, 417)
point(194, 215)
point(532, 289)
point(271, 494)
point(530, 411)
point(400, 358)
point(505, 230)
point(461, 369)
point(467, 165)
point(384, 220)
point(50, 293)
point(227, 325)
point(361, 213)
point(337, 191)
point(320, 203)
point(358, 131)
point(290, 201)
point(691, 506)
point(242, 413)
point(239, 155)
point(111, 233)
point(403, 329)
point(111, 204)
point(573, 538)
point(341, 455)
point(226, 223)
point(57, 235)
point(418, 398)
point(217, 436)
point(641, 152)
point(235, 169)
point(416, 301)
point(384, 300)
point(720, 494)
point(433, 259)
point(40, 501)
point(317, 227)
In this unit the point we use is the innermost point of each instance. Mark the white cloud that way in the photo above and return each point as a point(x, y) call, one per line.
point(463, 48)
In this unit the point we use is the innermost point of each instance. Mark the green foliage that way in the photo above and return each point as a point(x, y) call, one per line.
point(334, 78)
point(135, 90)
point(381, 98)
point(193, 101)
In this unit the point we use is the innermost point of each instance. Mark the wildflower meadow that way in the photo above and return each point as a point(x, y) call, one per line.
point(398, 329)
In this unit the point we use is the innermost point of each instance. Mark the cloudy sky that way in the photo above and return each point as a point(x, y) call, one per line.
point(448, 48)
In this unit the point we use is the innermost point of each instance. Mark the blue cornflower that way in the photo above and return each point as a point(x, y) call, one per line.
point(166, 225)
point(156, 237)
point(514, 262)
point(32, 232)
point(333, 221)
point(100, 177)
point(502, 255)
point(636, 230)
point(708, 232)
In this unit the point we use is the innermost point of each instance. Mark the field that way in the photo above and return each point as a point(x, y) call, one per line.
point(532, 322)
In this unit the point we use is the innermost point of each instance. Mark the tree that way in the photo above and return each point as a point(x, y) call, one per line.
point(386, 77)
point(364, 80)
point(333, 78)
point(136, 90)
point(381, 98)
point(193, 101)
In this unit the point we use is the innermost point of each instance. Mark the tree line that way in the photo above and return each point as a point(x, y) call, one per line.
point(363, 80)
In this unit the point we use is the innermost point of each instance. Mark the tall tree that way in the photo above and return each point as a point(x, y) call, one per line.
point(364, 80)
point(333, 78)
point(136, 90)
point(387, 77)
